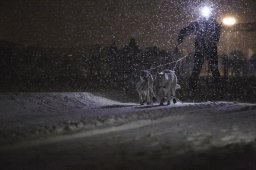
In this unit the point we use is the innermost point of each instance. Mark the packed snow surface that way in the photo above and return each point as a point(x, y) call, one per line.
point(87, 131)
point(27, 116)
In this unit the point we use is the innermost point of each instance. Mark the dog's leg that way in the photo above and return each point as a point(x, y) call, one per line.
point(141, 99)
point(148, 97)
point(154, 98)
point(151, 96)
point(161, 96)
point(174, 100)
point(174, 95)
point(162, 102)
point(168, 97)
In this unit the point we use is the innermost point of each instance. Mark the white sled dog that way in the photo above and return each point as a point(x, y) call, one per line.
point(145, 87)
point(167, 84)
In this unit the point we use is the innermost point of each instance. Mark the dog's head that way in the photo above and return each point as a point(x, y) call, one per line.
point(144, 75)
point(162, 76)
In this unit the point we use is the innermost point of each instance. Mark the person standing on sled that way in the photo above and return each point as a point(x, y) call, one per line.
point(207, 35)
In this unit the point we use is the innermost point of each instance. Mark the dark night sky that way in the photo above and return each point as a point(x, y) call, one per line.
point(78, 23)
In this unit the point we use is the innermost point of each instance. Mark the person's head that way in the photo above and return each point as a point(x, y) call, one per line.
point(207, 13)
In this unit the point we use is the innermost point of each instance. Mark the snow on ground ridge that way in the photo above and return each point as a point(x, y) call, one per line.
point(86, 98)
point(26, 114)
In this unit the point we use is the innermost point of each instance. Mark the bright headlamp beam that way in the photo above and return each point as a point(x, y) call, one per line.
point(206, 12)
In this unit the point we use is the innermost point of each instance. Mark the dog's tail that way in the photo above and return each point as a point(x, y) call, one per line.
point(154, 98)
point(178, 86)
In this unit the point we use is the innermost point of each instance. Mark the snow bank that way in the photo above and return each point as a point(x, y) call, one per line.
point(24, 114)
point(28, 101)
point(36, 115)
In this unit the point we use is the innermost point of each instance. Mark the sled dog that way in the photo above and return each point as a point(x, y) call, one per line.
point(145, 87)
point(167, 84)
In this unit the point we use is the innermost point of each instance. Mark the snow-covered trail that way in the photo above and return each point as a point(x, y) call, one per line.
point(128, 136)
point(32, 115)
point(28, 116)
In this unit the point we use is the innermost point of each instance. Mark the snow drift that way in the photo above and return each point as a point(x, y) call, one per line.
point(26, 116)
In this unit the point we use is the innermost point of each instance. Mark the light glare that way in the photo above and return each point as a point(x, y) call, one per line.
point(206, 12)
point(229, 21)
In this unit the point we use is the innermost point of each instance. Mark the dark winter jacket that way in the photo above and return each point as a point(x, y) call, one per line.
point(207, 33)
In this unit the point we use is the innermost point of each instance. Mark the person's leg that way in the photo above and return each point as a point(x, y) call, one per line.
point(213, 65)
point(198, 63)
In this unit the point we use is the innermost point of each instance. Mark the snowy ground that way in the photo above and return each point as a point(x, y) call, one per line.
point(84, 131)
point(33, 115)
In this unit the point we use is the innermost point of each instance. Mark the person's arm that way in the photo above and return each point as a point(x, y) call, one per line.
point(217, 33)
point(191, 28)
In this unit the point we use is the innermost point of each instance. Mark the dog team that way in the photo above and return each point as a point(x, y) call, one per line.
point(163, 87)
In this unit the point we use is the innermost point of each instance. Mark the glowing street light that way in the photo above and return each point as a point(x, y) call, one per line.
point(229, 21)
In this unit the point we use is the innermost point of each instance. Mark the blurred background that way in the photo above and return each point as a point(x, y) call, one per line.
point(102, 44)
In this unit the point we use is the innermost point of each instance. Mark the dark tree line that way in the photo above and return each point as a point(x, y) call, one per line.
point(111, 67)
point(91, 67)
point(236, 65)
point(119, 67)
